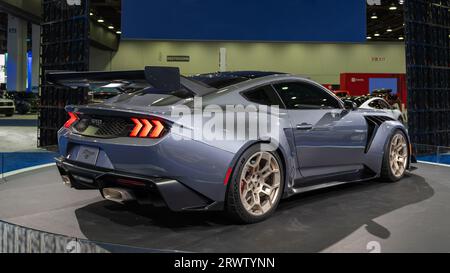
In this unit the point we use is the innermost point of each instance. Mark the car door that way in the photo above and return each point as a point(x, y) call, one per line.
point(329, 139)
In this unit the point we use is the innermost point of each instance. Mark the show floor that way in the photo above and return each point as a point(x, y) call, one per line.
point(18, 133)
point(409, 216)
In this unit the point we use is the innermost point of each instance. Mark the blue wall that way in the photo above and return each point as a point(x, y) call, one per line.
point(245, 20)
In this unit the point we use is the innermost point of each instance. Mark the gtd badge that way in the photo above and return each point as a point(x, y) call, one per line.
point(97, 122)
point(74, 2)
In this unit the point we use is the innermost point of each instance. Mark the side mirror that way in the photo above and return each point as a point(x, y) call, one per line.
point(350, 105)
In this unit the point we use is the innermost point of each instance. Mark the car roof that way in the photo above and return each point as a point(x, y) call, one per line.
point(243, 74)
point(224, 79)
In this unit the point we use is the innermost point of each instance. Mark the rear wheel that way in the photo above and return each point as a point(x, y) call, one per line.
point(256, 186)
point(396, 157)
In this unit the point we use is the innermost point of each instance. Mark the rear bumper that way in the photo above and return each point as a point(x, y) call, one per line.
point(148, 190)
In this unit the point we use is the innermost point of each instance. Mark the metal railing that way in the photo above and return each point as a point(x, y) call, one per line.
point(18, 239)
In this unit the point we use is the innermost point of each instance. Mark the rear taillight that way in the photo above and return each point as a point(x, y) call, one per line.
point(147, 128)
point(73, 118)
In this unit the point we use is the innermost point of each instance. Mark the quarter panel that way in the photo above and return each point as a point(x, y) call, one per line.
point(198, 166)
point(375, 154)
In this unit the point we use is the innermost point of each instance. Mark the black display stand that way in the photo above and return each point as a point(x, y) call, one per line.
point(427, 26)
point(65, 46)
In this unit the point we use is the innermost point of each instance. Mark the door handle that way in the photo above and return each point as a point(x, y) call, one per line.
point(304, 126)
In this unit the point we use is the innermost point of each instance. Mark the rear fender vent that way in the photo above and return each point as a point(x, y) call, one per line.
point(374, 123)
point(378, 119)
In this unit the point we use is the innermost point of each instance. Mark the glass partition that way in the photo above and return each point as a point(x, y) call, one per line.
point(13, 162)
point(433, 154)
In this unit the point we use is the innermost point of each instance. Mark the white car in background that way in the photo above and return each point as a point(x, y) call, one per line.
point(382, 104)
point(7, 107)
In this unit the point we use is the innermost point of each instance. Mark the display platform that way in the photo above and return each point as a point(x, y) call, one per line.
point(409, 216)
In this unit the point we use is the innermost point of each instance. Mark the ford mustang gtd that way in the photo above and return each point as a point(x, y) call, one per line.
point(128, 147)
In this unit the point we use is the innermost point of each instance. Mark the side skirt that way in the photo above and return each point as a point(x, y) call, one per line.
point(325, 185)
point(306, 185)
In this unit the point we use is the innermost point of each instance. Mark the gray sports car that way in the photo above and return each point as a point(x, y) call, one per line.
point(133, 148)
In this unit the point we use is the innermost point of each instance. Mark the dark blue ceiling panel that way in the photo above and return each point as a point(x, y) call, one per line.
point(245, 20)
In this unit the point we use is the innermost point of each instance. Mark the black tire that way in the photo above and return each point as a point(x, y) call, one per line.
point(234, 207)
point(23, 108)
point(387, 174)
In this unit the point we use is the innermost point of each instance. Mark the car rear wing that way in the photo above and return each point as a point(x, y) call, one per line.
point(163, 79)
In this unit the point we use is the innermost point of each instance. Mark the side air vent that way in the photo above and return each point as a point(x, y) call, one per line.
point(374, 123)
point(378, 119)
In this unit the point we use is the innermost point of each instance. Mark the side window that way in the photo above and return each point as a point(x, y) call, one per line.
point(375, 104)
point(263, 95)
point(298, 95)
point(384, 105)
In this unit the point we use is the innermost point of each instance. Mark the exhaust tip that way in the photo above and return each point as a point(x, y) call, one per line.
point(66, 181)
point(118, 195)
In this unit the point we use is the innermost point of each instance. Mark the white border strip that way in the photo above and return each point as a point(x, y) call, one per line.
point(434, 164)
point(8, 174)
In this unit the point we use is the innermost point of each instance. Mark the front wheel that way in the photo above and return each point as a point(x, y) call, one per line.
point(395, 161)
point(256, 186)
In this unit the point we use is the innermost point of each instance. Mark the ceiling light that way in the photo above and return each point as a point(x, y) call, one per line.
point(401, 38)
point(377, 35)
point(393, 7)
point(389, 30)
point(100, 20)
point(111, 27)
point(374, 16)
point(369, 38)
point(119, 32)
point(91, 14)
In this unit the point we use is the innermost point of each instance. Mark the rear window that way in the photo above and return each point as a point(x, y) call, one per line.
point(263, 95)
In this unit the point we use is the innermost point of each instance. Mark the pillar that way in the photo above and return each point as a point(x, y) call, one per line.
point(36, 49)
point(16, 70)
